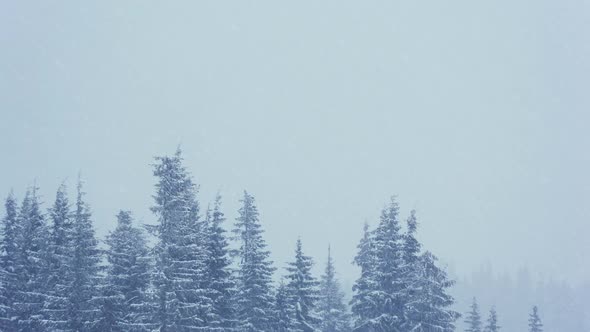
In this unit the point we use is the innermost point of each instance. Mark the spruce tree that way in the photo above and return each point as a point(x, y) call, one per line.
point(492, 323)
point(432, 303)
point(362, 307)
point(220, 284)
point(535, 324)
point(179, 275)
point(9, 268)
point(283, 310)
point(57, 272)
point(84, 268)
point(473, 318)
point(332, 308)
point(412, 276)
point(386, 292)
point(425, 293)
point(127, 278)
point(254, 298)
point(303, 289)
point(32, 246)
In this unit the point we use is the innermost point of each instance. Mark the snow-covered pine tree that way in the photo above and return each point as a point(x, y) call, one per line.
point(283, 310)
point(220, 284)
point(9, 272)
point(473, 318)
point(57, 271)
point(362, 308)
point(492, 322)
point(412, 277)
point(84, 268)
point(426, 301)
point(332, 309)
point(127, 278)
point(387, 295)
point(32, 246)
point(535, 324)
point(303, 289)
point(431, 304)
point(254, 298)
point(182, 303)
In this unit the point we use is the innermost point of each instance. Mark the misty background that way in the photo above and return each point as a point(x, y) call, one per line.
point(473, 113)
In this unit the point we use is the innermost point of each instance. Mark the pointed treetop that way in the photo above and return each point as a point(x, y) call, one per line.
point(124, 219)
point(535, 324)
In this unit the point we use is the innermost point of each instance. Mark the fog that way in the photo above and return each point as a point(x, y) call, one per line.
point(473, 113)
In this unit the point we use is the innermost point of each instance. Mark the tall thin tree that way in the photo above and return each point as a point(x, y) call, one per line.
point(59, 253)
point(9, 269)
point(181, 301)
point(492, 322)
point(32, 246)
point(473, 318)
point(84, 267)
point(127, 278)
point(303, 289)
point(332, 309)
point(535, 324)
point(254, 299)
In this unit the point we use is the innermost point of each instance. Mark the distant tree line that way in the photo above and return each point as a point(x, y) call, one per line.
point(54, 275)
point(474, 321)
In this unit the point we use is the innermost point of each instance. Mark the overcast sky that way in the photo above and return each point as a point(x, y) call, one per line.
point(475, 113)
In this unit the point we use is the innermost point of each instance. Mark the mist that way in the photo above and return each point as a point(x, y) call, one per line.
point(473, 114)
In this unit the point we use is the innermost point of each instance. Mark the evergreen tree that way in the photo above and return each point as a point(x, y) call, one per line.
point(32, 246)
point(415, 303)
point(179, 276)
point(385, 283)
point(127, 278)
point(84, 268)
point(303, 289)
point(428, 309)
point(535, 324)
point(492, 323)
point(284, 311)
point(362, 307)
point(57, 271)
point(426, 301)
point(220, 284)
point(255, 309)
point(473, 319)
point(9, 272)
point(332, 308)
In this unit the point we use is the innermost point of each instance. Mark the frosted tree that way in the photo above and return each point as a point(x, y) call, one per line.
point(254, 298)
point(59, 253)
point(362, 307)
point(473, 318)
point(535, 324)
point(492, 322)
point(9, 268)
point(414, 278)
point(84, 267)
point(303, 289)
point(283, 310)
point(181, 300)
point(386, 291)
point(426, 299)
point(32, 245)
point(220, 284)
point(332, 309)
point(127, 278)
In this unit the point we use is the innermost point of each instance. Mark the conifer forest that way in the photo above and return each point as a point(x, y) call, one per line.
point(56, 277)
